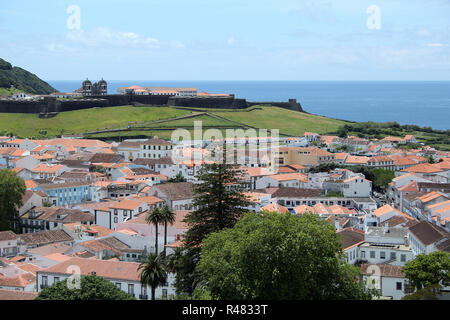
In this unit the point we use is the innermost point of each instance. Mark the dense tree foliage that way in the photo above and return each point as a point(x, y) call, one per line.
point(278, 256)
point(428, 293)
point(12, 189)
point(219, 199)
point(428, 270)
point(388, 128)
point(91, 288)
point(22, 79)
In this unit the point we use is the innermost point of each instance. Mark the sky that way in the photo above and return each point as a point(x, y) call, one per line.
point(228, 39)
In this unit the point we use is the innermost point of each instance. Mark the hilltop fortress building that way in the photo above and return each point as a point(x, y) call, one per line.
point(97, 89)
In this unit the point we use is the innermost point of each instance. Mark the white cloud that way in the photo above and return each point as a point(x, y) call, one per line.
point(436, 45)
point(422, 32)
point(231, 41)
point(106, 37)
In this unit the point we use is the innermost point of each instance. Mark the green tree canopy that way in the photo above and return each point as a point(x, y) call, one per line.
point(428, 270)
point(12, 189)
point(278, 256)
point(92, 287)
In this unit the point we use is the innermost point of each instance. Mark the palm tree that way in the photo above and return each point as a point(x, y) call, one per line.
point(174, 260)
point(168, 218)
point(153, 272)
point(155, 217)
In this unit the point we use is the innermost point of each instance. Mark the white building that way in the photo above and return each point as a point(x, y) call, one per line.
point(425, 237)
point(155, 148)
point(8, 244)
point(389, 280)
point(124, 275)
point(115, 213)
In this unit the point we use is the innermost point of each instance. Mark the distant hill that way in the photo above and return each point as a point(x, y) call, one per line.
point(22, 80)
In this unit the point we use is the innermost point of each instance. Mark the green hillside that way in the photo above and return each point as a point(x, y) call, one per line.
point(13, 79)
point(142, 120)
point(130, 122)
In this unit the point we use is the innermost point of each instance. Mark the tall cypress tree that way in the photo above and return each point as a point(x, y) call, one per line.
point(219, 202)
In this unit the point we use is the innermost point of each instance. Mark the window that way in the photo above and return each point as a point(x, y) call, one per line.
point(363, 254)
point(131, 289)
point(115, 219)
point(372, 254)
point(399, 286)
point(403, 257)
point(393, 256)
point(115, 212)
point(382, 255)
point(56, 279)
point(119, 285)
point(164, 293)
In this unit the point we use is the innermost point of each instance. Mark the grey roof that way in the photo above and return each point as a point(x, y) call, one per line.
point(152, 162)
point(106, 158)
point(428, 233)
point(45, 237)
point(350, 236)
point(49, 186)
point(392, 233)
point(289, 192)
point(385, 270)
point(7, 235)
point(177, 191)
point(157, 141)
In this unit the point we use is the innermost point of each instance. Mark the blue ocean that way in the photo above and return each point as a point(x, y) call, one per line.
point(421, 103)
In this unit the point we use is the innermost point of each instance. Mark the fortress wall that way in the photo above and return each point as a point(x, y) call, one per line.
point(152, 100)
point(72, 105)
point(51, 104)
point(208, 102)
point(292, 104)
point(11, 106)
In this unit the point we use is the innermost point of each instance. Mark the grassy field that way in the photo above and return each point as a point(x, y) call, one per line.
point(287, 121)
point(147, 121)
point(97, 119)
point(80, 121)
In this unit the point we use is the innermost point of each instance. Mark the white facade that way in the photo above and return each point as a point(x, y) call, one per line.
point(154, 151)
point(110, 217)
point(392, 287)
point(45, 279)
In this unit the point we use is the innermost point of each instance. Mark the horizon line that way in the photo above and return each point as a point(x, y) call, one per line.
point(262, 80)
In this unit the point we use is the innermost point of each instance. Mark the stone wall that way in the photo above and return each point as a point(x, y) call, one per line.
point(208, 102)
point(292, 104)
point(52, 105)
